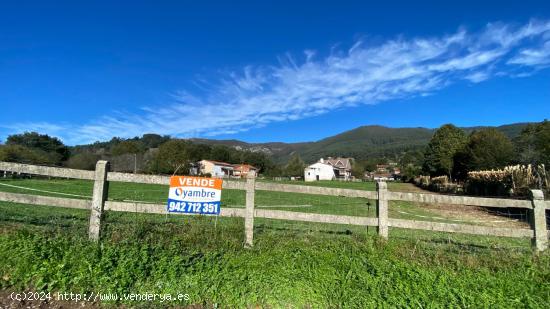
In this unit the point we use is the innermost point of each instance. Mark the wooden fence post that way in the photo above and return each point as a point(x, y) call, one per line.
point(382, 209)
point(101, 188)
point(538, 220)
point(249, 211)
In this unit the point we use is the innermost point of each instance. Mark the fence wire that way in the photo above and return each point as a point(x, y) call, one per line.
point(317, 204)
point(139, 225)
point(45, 219)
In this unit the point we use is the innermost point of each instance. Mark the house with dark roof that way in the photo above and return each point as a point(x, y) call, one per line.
point(330, 168)
point(341, 166)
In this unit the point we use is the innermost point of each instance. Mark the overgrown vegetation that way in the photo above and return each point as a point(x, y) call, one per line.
point(297, 265)
point(32, 147)
point(485, 159)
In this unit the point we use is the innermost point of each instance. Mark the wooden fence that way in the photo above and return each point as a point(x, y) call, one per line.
point(101, 177)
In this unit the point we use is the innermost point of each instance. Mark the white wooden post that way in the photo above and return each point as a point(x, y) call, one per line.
point(540, 242)
point(101, 188)
point(382, 209)
point(249, 211)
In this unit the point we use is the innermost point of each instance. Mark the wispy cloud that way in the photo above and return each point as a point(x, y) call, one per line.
point(309, 85)
point(538, 57)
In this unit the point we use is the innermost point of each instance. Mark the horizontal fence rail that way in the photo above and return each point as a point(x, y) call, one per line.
point(311, 217)
point(460, 228)
point(537, 206)
point(161, 209)
point(460, 200)
point(46, 171)
point(164, 180)
point(314, 190)
point(45, 200)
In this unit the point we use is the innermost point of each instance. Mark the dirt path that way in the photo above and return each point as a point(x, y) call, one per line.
point(473, 214)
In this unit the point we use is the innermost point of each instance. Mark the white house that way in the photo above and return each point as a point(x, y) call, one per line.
point(216, 168)
point(329, 169)
point(319, 171)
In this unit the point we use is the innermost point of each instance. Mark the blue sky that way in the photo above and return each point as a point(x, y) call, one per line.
point(285, 71)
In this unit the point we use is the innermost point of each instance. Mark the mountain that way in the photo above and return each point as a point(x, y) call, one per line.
point(510, 130)
point(360, 143)
point(368, 141)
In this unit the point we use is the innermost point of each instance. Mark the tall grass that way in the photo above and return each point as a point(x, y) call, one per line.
point(320, 266)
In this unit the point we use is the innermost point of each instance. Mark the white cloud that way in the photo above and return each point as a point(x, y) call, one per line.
point(477, 77)
point(533, 57)
point(293, 89)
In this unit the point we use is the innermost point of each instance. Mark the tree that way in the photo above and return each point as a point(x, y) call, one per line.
point(153, 140)
point(128, 146)
point(414, 157)
point(41, 144)
point(83, 161)
point(370, 164)
point(173, 155)
point(445, 143)
point(358, 169)
point(542, 142)
point(295, 166)
point(410, 171)
point(525, 145)
point(22, 154)
point(223, 153)
point(486, 149)
point(259, 160)
point(533, 144)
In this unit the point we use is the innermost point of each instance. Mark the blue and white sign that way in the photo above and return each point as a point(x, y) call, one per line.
point(197, 195)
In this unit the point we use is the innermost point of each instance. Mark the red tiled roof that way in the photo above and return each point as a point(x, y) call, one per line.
point(240, 167)
point(219, 163)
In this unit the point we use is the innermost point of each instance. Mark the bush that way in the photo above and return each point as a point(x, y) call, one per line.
point(83, 161)
point(22, 154)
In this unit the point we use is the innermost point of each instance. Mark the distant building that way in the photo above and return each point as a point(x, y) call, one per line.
point(341, 166)
point(387, 172)
point(216, 168)
point(382, 168)
point(242, 170)
point(329, 169)
point(383, 176)
point(319, 171)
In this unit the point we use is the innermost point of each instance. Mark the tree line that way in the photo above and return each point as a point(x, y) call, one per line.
point(451, 152)
point(159, 154)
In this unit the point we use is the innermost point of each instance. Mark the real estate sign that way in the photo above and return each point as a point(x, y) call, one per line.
point(197, 195)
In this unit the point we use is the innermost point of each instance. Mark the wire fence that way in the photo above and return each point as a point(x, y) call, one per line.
point(273, 200)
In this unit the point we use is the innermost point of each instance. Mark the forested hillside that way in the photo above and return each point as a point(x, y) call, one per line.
point(361, 143)
point(163, 154)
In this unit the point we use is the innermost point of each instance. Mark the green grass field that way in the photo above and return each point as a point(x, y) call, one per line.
point(359, 185)
point(236, 198)
point(292, 264)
